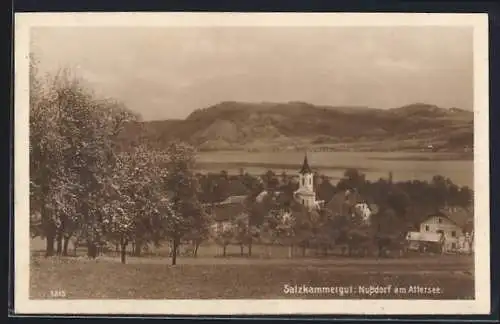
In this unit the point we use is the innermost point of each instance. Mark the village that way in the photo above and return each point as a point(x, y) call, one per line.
point(345, 221)
point(165, 184)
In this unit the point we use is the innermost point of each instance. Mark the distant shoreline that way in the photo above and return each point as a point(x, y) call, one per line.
point(404, 165)
point(406, 155)
point(360, 148)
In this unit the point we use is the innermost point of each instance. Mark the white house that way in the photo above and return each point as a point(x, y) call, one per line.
point(449, 228)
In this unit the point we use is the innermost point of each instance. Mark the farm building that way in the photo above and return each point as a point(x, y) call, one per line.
point(450, 228)
point(425, 241)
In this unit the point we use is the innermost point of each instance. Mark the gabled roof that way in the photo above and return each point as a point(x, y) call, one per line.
point(305, 166)
point(457, 215)
point(222, 213)
point(233, 200)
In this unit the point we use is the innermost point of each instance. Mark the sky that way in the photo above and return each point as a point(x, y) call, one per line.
point(167, 72)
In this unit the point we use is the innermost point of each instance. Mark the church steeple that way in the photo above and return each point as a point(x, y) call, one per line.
point(305, 166)
point(305, 193)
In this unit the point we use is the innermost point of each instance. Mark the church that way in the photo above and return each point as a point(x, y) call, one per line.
point(306, 195)
point(225, 212)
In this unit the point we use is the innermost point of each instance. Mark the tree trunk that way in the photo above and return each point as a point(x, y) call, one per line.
point(196, 246)
point(290, 251)
point(91, 249)
point(134, 248)
point(59, 244)
point(224, 250)
point(304, 250)
point(250, 247)
point(65, 245)
point(138, 248)
point(49, 240)
point(123, 251)
point(123, 255)
point(241, 249)
point(174, 251)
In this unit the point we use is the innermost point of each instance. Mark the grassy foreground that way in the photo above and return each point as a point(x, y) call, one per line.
point(81, 279)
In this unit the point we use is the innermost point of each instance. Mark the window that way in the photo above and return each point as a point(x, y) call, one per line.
point(426, 228)
point(303, 182)
point(453, 234)
point(453, 245)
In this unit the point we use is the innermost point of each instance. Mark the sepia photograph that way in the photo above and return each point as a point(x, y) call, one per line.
point(232, 163)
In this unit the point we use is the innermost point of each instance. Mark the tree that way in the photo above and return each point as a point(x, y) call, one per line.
point(214, 187)
point(398, 201)
point(325, 189)
point(268, 229)
point(181, 206)
point(303, 225)
point(199, 231)
point(241, 230)
point(324, 230)
point(352, 179)
point(130, 199)
point(270, 179)
point(464, 197)
point(439, 192)
point(224, 235)
point(388, 230)
point(253, 184)
point(71, 152)
point(256, 213)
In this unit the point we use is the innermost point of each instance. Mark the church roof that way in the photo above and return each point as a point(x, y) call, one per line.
point(305, 166)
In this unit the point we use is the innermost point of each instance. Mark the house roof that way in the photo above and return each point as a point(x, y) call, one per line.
point(264, 193)
point(222, 213)
point(458, 215)
point(233, 200)
point(423, 236)
point(305, 166)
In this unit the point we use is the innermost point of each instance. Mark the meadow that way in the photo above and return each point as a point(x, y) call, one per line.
point(403, 165)
point(210, 276)
point(202, 279)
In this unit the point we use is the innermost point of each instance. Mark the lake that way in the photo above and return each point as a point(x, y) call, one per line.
point(403, 165)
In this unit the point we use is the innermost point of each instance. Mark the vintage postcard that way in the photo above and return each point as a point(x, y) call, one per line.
point(233, 163)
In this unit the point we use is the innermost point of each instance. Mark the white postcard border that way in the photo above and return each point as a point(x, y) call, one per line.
point(23, 305)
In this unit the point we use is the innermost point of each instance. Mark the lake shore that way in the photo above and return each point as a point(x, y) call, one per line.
point(403, 165)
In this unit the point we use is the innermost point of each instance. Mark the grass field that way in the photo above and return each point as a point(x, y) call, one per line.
point(203, 278)
point(212, 276)
point(404, 165)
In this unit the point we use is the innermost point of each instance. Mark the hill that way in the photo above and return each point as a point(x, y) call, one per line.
point(238, 125)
